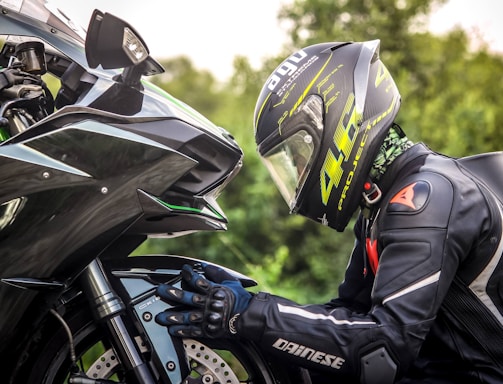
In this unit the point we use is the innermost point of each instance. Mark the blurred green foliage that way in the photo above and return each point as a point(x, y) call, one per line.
point(451, 100)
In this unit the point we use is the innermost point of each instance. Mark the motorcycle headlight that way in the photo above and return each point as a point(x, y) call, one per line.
point(133, 46)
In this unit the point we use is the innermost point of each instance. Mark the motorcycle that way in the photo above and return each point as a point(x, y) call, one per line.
point(87, 175)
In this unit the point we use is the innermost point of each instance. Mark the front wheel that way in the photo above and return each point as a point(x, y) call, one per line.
point(216, 361)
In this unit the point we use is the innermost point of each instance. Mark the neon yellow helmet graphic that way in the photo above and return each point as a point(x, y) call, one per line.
point(319, 122)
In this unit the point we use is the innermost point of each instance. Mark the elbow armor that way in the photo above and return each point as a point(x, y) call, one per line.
point(378, 367)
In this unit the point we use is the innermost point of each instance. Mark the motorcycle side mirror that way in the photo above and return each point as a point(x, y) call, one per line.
point(113, 43)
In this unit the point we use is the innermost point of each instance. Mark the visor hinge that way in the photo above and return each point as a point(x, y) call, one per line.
point(371, 192)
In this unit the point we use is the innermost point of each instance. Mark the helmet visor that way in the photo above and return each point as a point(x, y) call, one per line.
point(289, 163)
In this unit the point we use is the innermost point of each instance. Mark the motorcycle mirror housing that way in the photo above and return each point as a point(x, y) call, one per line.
point(113, 43)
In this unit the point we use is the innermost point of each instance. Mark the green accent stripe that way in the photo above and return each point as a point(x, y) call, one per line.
point(190, 209)
point(179, 207)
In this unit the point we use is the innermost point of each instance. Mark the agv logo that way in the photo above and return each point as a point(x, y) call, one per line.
point(287, 68)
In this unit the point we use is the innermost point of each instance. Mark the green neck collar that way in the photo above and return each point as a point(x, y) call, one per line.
point(395, 143)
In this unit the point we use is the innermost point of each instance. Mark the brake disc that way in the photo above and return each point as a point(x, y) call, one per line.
point(207, 366)
point(104, 366)
point(210, 366)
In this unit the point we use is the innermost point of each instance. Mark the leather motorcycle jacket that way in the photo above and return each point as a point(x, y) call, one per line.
point(422, 298)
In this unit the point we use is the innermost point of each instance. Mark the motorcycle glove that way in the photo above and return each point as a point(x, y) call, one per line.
point(206, 306)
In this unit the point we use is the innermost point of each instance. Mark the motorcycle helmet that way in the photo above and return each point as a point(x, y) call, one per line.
point(319, 122)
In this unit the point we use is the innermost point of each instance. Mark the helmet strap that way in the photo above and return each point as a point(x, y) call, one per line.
point(371, 195)
point(371, 192)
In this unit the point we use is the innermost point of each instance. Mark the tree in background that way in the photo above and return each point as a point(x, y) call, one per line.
point(451, 99)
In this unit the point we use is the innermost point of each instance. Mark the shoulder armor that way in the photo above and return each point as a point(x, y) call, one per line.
point(426, 196)
point(411, 198)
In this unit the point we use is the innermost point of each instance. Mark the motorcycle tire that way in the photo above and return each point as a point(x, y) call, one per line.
point(221, 361)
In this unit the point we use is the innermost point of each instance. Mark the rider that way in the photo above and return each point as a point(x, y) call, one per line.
point(422, 298)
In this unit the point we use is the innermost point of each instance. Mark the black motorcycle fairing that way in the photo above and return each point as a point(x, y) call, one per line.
point(128, 101)
point(218, 160)
point(58, 217)
point(217, 154)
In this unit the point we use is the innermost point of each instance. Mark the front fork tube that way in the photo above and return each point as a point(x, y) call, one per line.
point(107, 307)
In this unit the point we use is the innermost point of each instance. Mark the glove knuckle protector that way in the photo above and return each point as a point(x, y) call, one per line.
point(219, 304)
